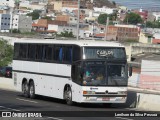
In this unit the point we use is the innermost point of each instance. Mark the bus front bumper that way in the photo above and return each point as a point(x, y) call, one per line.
point(103, 99)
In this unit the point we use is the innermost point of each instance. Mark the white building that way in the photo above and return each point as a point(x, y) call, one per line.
point(5, 20)
point(104, 10)
point(9, 3)
point(22, 23)
point(157, 15)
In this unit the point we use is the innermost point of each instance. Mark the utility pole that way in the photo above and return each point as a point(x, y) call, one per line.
point(78, 19)
point(93, 31)
point(106, 30)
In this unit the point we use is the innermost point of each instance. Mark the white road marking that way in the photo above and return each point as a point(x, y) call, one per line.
point(9, 108)
point(26, 100)
point(123, 118)
point(54, 118)
point(135, 109)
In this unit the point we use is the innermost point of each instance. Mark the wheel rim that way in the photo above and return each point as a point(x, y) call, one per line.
point(68, 96)
point(31, 91)
point(24, 88)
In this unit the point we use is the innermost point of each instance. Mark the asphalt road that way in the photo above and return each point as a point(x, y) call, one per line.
point(14, 102)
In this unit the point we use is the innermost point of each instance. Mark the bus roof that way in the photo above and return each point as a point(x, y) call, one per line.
point(81, 43)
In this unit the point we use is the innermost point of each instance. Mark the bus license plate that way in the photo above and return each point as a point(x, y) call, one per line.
point(105, 99)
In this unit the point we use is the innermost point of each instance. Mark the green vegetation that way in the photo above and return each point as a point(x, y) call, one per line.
point(131, 40)
point(133, 18)
point(155, 24)
point(15, 31)
point(29, 33)
point(6, 53)
point(103, 17)
point(48, 18)
point(35, 14)
point(65, 34)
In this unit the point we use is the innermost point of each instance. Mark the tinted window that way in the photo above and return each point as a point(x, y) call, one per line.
point(58, 53)
point(67, 54)
point(16, 51)
point(39, 52)
point(76, 53)
point(23, 51)
point(48, 52)
point(31, 51)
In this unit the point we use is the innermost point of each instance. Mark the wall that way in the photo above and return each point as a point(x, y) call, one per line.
point(143, 38)
point(140, 48)
point(150, 75)
point(25, 23)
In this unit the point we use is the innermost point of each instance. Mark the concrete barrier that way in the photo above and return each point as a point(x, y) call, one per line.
point(149, 102)
point(7, 83)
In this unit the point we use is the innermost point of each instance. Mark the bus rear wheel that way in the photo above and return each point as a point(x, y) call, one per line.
point(25, 89)
point(32, 90)
point(68, 96)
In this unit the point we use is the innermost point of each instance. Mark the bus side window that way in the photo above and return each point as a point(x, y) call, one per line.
point(23, 51)
point(16, 51)
point(31, 52)
point(39, 52)
point(60, 54)
point(67, 54)
point(48, 52)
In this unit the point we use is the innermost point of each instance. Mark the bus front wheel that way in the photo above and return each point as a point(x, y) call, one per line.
point(32, 90)
point(25, 89)
point(68, 96)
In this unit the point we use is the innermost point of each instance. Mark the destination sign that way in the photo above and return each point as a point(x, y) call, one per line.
point(105, 53)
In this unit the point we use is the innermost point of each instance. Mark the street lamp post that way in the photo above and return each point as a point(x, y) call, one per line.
point(106, 30)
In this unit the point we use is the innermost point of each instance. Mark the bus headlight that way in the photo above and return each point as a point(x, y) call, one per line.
point(89, 92)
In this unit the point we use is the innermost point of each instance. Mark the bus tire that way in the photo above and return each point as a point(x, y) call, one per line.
point(32, 90)
point(68, 96)
point(25, 89)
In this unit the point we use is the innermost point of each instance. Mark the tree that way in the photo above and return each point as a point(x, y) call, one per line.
point(103, 17)
point(6, 53)
point(66, 34)
point(46, 17)
point(133, 18)
point(35, 14)
point(155, 24)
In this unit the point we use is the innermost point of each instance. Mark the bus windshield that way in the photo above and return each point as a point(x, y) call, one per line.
point(96, 74)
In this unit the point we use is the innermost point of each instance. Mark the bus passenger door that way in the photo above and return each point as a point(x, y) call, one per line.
point(77, 78)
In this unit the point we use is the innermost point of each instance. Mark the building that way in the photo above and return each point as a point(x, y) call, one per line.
point(5, 20)
point(156, 38)
point(127, 32)
point(9, 3)
point(4, 10)
point(157, 16)
point(22, 23)
point(145, 37)
point(142, 13)
point(104, 10)
point(68, 28)
point(54, 5)
point(45, 26)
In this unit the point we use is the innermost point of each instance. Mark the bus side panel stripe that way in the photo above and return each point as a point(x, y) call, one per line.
point(42, 74)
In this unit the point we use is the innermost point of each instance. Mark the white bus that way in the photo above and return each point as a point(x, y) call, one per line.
point(76, 71)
